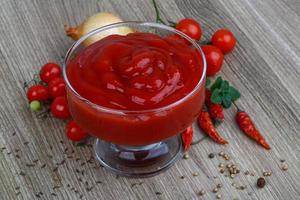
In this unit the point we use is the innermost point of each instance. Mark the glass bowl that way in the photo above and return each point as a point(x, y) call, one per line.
point(136, 142)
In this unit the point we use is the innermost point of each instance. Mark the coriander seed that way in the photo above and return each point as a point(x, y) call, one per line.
point(215, 190)
point(266, 173)
point(195, 173)
point(284, 167)
point(226, 157)
point(186, 156)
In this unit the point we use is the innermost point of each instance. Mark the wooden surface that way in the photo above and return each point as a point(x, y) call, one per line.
point(265, 67)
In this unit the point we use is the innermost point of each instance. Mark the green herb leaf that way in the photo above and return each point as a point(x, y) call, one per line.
point(234, 93)
point(224, 85)
point(223, 93)
point(217, 84)
point(207, 83)
point(226, 101)
point(216, 96)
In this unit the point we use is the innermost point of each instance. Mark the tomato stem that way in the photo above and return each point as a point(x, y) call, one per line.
point(158, 19)
point(205, 42)
point(35, 80)
point(197, 141)
point(43, 114)
point(172, 24)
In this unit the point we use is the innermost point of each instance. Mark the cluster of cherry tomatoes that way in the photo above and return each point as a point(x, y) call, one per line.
point(52, 88)
point(222, 42)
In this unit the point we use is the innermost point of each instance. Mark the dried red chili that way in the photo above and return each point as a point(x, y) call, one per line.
point(245, 123)
point(205, 123)
point(187, 138)
point(215, 110)
point(207, 96)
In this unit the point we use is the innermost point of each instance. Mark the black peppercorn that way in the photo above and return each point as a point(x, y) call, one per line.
point(261, 182)
point(211, 155)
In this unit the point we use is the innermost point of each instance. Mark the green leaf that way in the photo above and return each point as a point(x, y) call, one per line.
point(223, 93)
point(224, 85)
point(207, 83)
point(226, 101)
point(217, 84)
point(234, 93)
point(216, 96)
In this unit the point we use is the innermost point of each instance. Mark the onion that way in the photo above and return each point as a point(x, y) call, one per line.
point(93, 22)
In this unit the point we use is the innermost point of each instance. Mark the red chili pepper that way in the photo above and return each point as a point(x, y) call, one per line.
point(207, 126)
point(248, 127)
point(215, 110)
point(207, 96)
point(187, 137)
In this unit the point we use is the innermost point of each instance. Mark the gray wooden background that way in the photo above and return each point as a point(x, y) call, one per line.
point(38, 162)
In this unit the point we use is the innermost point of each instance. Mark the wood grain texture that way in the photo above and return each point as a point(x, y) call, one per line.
point(265, 67)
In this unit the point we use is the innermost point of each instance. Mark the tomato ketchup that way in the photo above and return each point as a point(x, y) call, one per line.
point(132, 79)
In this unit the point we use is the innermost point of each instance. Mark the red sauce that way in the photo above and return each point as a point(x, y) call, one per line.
point(138, 71)
point(135, 72)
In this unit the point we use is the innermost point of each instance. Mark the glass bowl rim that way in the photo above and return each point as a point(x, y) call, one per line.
point(128, 23)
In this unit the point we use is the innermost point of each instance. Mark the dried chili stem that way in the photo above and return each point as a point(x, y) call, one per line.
point(238, 109)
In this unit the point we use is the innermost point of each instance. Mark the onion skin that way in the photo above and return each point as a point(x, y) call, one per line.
point(93, 22)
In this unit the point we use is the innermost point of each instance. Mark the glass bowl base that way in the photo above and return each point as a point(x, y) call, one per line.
point(139, 161)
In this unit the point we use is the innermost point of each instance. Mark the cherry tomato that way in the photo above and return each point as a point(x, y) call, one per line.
point(214, 59)
point(35, 105)
point(59, 108)
point(190, 27)
point(57, 87)
point(37, 92)
point(74, 132)
point(50, 71)
point(224, 40)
